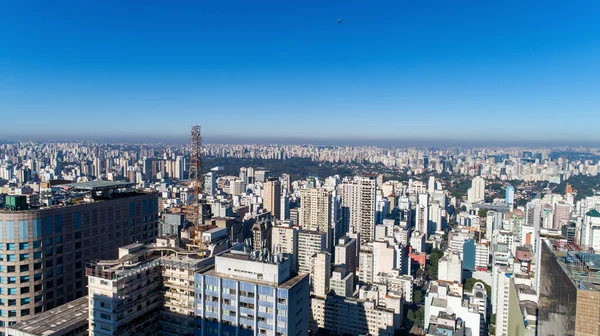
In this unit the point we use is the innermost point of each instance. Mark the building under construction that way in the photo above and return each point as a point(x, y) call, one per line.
point(569, 302)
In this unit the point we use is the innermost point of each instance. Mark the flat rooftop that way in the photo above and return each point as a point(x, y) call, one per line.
point(96, 185)
point(581, 266)
point(70, 315)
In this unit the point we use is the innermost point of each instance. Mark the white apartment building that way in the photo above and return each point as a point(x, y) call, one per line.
point(358, 206)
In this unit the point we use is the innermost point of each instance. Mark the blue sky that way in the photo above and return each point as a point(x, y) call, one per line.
point(397, 69)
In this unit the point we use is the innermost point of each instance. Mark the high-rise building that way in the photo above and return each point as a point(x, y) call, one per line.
point(210, 183)
point(285, 236)
point(236, 187)
point(342, 282)
point(285, 207)
point(569, 298)
point(152, 290)
point(450, 268)
point(316, 211)
point(320, 273)
point(287, 183)
point(179, 168)
point(351, 316)
point(346, 254)
point(261, 175)
point(477, 191)
point(562, 215)
point(244, 175)
point(422, 215)
point(365, 264)
point(47, 247)
point(358, 206)
point(171, 225)
point(272, 197)
point(242, 296)
point(309, 243)
point(510, 196)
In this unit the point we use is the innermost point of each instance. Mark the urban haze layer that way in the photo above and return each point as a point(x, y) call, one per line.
point(287, 240)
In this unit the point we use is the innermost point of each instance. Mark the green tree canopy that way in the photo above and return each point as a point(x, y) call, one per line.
point(472, 281)
point(483, 212)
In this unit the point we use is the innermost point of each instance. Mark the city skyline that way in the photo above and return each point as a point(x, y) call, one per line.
point(441, 72)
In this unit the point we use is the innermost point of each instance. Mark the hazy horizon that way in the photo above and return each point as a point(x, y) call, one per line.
point(378, 142)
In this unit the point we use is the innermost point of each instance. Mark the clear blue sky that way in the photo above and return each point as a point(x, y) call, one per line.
point(395, 69)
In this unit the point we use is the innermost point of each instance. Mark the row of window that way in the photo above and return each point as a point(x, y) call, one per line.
point(22, 268)
point(22, 256)
point(24, 301)
point(13, 313)
point(22, 246)
point(13, 280)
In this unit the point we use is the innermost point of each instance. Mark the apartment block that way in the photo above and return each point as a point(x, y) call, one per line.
point(44, 249)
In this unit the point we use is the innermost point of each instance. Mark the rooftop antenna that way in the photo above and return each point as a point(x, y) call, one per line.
point(195, 175)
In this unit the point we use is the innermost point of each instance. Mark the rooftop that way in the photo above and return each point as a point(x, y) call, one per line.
point(581, 266)
point(593, 213)
point(96, 185)
point(289, 283)
point(73, 314)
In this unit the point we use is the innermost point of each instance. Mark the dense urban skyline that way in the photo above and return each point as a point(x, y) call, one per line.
point(478, 71)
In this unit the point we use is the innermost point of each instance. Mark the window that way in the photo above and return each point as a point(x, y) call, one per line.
point(37, 255)
point(24, 256)
point(37, 243)
point(58, 239)
point(11, 257)
point(23, 229)
point(48, 226)
point(23, 246)
point(25, 312)
point(24, 268)
point(25, 278)
point(12, 313)
point(37, 228)
point(12, 302)
point(24, 290)
point(48, 242)
point(10, 269)
point(10, 246)
point(58, 223)
point(77, 220)
point(12, 280)
point(12, 291)
point(37, 276)
point(1, 257)
point(10, 230)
